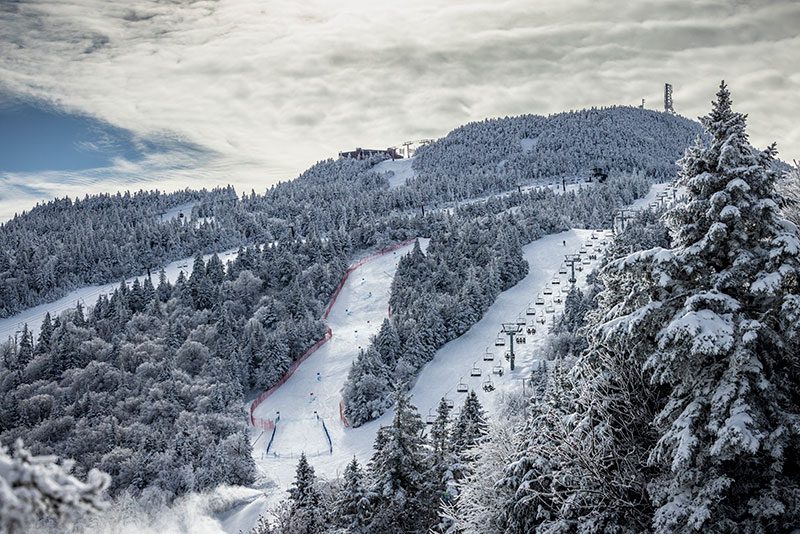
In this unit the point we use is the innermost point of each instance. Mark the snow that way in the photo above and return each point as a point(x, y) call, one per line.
point(398, 171)
point(174, 213)
point(356, 316)
point(88, 295)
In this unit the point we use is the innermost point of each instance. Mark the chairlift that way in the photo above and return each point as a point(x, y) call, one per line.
point(497, 370)
point(593, 236)
point(530, 311)
point(582, 251)
point(586, 261)
point(579, 267)
point(562, 269)
point(592, 256)
point(461, 387)
point(557, 297)
point(449, 402)
point(549, 308)
point(488, 385)
point(475, 371)
point(500, 341)
point(488, 356)
point(520, 320)
point(548, 290)
point(541, 318)
point(431, 417)
point(589, 244)
point(539, 300)
point(556, 281)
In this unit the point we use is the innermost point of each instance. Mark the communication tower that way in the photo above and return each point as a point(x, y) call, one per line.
point(668, 98)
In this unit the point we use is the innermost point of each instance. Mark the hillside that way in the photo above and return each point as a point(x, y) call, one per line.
point(498, 154)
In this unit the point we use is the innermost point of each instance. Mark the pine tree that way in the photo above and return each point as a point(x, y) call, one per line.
point(305, 499)
point(471, 424)
point(726, 458)
point(353, 509)
point(400, 473)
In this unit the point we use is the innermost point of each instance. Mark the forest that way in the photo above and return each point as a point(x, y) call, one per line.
point(667, 396)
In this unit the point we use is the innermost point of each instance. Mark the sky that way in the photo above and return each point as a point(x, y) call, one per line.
point(101, 95)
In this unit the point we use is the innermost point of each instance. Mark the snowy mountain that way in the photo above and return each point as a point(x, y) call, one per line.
point(357, 296)
point(498, 154)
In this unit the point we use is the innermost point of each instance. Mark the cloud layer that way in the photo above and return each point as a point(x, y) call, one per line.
point(266, 87)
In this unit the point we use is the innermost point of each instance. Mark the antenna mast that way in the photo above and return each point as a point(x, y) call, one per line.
point(668, 98)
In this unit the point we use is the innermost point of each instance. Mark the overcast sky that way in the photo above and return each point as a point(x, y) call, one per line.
point(259, 89)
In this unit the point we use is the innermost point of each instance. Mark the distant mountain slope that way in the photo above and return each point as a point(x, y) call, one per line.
point(499, 153)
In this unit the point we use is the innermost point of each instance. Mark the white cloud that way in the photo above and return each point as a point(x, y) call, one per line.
point(267, 87)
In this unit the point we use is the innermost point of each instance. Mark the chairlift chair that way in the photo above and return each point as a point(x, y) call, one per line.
point(449, 402)
point(548, 290)
point(488, 356)
point(539, 300)
point(500, 341)
point(549, 309)
point(562, 269)
point(578, 266)
point(461, 387)
point(520, 320)
point(594, 236)
point(497, 370)
point(488, 385)
point(541, 318)
point(475, 371)
point(589, 244)
point(586, 262)
point(557, 297)
point(530, 311)
point(431, 417)
point(556, 281)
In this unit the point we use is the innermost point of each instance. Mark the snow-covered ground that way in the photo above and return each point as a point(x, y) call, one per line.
point(182, 209)
point(398, 171)
point(356, 316)
point(88, 295)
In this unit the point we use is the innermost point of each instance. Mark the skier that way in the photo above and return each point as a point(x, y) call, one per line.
point(564, 242)
point(319, 377)
point(311, 397)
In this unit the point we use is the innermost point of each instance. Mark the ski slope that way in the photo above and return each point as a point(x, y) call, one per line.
point(88, 295)
point(306, 399)
point(398, 171)
point(358, 314)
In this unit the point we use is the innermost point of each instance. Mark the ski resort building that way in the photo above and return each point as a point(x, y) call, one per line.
point(364, 153)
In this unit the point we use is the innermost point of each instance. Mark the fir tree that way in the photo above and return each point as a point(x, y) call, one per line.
point(353, 508)
point(400, 473)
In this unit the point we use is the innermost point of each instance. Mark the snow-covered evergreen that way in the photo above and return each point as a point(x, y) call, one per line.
point(42, 487)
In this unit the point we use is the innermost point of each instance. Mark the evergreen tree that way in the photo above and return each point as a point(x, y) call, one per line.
point(727, 351)
point(305, 497)
point(400, 473)
point(353, 509)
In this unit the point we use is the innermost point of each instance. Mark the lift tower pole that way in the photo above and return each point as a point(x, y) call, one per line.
point(511, 329)
point(570, 260)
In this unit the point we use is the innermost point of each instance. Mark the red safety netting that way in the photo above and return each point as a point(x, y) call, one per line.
point(269, 424)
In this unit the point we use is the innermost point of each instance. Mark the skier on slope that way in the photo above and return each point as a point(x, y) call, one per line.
point(565, 242)
point(319, 377)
